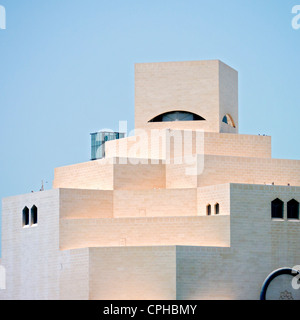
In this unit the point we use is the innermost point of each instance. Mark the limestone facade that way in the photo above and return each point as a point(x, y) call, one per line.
point(181, 210)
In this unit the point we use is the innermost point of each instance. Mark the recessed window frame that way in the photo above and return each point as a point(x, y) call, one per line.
point(295, 205)
point(274, 206)
point(217, 209)
point(34, 215)
point(208, 210)
point(25, 217)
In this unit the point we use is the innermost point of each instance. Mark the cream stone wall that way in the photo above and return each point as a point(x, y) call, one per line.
point(176, 125)
point(78, 203)
point(212, 195)
point(216, 257)
point(152, 144)
point(155, 231)
point(147, 171)
point(228, 87)
point(74, 274)
point(134, 175)
point(259, 245)
point(237, 145)
point(138, 273)
point(88, 175)
point(262, 244)
point(90, 204)
point(212, 170)
point(134, 225)
point(30, 255)
point(201, 87)
point(35, 268)
point(95, 204)
point(219, 169)
point(275, 240)
point(207, 273)
point(112, 173)
point(155, 203)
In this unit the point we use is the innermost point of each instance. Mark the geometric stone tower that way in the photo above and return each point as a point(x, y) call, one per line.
point(206, 89)
point(148, 221)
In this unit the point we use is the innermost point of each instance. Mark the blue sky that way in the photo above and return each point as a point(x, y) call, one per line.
point(67, 69)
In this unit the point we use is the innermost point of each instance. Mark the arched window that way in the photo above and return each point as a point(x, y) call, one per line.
point(217, 208)
point(228, 120)
point(277, 209)
point(293, 209)
point(34, 215)
point(208, 210)
point(177, 116)
point(25, 217)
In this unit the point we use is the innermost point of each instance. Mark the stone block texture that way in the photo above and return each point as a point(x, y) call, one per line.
point(181, 210)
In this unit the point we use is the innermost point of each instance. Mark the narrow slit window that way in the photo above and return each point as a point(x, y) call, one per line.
point(293, 210)
point(25, 217)
point(34, 215)
point(208, 210)
point(217, 208)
